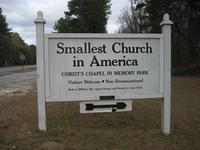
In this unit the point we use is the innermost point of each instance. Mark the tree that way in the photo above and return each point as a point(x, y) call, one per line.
point(133, 19)
point(19, 47)
point(12, 46)
point(185, 15)
point(33, 53)
point(3, 24)
point(84, 16)
point(4, 38)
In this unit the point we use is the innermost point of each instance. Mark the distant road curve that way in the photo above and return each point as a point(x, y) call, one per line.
point(13, 75)
point(10, 70)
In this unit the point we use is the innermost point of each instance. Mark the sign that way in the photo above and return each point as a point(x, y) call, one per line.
point(22, 57)
point(88, 66)
point(105, 106)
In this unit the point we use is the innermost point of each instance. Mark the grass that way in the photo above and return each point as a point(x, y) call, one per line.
point(138, 129)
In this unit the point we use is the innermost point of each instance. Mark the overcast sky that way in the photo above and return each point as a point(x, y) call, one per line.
point(21, 13)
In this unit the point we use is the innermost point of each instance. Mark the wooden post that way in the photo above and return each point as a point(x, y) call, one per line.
point(39, 22)
point(166, 103)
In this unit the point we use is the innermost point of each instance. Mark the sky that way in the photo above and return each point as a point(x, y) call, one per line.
point(20, 15)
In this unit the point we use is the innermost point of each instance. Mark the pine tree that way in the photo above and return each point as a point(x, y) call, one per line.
point(12, 45)
point(4, 38)
point(3, 24)
point(84, 16)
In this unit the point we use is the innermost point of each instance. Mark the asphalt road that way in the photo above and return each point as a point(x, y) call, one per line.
point(15, 74)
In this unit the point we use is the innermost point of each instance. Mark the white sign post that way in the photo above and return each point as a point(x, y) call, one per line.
point(39, 21)
point(166, 103)
point(100, 67)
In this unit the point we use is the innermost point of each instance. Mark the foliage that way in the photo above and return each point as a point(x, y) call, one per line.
point(132, 19)
point(12, 46)
point(185, 15)
point(4, 37)
point(84, 16)
point(19, 47)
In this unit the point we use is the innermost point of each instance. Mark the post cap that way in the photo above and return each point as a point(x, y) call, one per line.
point(40, 18)
point(166, 20)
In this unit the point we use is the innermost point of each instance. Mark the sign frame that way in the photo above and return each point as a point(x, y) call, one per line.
point(166, 97)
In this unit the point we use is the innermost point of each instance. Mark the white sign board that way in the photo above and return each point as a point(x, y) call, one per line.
point(96, 66)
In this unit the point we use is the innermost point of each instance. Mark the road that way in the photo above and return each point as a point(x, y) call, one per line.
point(10, 70)
point(15, 81)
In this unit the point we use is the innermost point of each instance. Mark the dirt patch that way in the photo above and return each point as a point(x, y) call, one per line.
point(138, 129)
point(20, 89)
